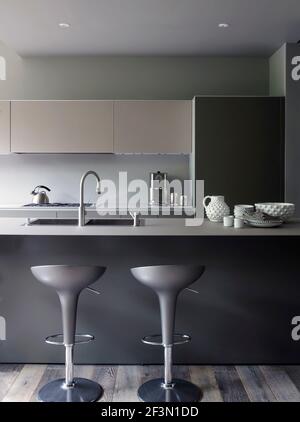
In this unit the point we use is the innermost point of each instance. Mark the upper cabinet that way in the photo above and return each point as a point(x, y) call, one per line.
point(61, 126)
point(153, 127)
point(96, 127)
point(4, 127)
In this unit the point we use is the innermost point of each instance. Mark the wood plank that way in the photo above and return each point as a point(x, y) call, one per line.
point(8, 375)
point(255, 384)
point(230, 385)
point(181, 372)
point(106, 377)
point(280, 383)
point(149, 372)
point(25, 383)
point(128, 380)
point(204, 377)
point(265, 383)
point(51, 373)
point(293, 372)
point(103, 375)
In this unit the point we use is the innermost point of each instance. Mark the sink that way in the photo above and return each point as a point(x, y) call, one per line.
point(96, 222)
point(110, 222)
point(53, 222)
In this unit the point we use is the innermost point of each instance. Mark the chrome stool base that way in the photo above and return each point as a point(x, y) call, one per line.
point(181, 391)
point(83, 390)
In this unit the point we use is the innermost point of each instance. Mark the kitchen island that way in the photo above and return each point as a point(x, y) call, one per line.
point(247, 297)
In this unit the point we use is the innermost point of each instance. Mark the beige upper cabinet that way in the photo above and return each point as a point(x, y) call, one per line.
point(62, 126)
point(153, 127)
point(4, 127)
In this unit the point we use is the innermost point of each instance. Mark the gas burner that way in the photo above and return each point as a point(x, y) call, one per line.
point(58, 204)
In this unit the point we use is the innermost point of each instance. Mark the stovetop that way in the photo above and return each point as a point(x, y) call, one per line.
point(58, 204)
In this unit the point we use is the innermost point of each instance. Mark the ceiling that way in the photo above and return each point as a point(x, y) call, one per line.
point(149, 27)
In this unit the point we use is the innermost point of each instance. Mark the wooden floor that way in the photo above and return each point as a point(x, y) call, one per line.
point(20, 383)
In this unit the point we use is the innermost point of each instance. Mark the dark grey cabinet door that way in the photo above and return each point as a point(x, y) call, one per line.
point(239, 148)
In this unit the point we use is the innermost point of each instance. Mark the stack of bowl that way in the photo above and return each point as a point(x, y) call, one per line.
point(240, 209)
point(282, 210)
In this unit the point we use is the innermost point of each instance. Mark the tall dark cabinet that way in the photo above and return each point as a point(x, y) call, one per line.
point(239, 148)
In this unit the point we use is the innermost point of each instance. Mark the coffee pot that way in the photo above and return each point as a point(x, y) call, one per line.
point(158, 188)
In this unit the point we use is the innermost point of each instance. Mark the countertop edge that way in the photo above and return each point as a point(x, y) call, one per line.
point(15, 227)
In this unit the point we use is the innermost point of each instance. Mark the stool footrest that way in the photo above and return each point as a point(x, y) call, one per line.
point(79, 339)
point(156, 339)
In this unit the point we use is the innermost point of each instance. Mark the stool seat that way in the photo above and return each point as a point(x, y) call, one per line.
point(67, 277)
point(168, 277)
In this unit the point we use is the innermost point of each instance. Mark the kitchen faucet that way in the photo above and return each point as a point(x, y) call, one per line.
point(81, 210)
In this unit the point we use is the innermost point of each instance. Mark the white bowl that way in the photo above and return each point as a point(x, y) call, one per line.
point(241, 208)
point(282, 210)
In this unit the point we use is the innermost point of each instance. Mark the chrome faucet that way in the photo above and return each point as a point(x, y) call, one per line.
point(81, 210)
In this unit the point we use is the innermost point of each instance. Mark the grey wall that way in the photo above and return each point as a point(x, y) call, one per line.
point(19, 174)
point(113, 78)
point(131, 77)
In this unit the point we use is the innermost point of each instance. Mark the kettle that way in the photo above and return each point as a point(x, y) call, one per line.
point(40, 196)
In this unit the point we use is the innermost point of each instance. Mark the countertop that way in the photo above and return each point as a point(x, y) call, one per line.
point(153, 227)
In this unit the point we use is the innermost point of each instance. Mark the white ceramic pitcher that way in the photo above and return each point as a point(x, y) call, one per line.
point(216, 209)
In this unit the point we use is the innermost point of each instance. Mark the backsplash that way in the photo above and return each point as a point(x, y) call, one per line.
point(19, 173)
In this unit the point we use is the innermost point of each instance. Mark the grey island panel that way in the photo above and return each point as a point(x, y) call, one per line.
point(248, 297)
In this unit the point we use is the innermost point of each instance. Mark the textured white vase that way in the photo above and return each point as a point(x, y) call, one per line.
point(216, 209)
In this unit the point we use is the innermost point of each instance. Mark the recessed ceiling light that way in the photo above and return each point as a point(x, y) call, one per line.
point(64, 25)
point(223, 25)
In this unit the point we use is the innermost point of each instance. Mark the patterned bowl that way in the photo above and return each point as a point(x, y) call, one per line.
point(282, 210)
point(240, 209)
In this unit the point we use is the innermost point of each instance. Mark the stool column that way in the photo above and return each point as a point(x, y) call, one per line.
point(69, 302)
point(168, 367)
point(167, 304)
point(69, 365)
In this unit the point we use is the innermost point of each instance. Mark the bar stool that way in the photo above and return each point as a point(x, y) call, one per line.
point(69, 281)
point(168, 281)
